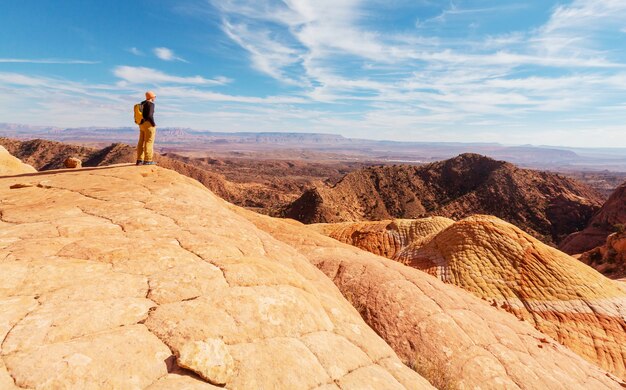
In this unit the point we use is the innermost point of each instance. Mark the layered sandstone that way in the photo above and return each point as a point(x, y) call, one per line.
point(119, 277)
point(610, 218)
point(10, 165)
point(547, 205)
point(454, 339)
point(558, 294)
point(383, 238)
point(116, 277)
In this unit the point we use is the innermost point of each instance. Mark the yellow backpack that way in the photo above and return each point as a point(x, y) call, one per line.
point(138, 111)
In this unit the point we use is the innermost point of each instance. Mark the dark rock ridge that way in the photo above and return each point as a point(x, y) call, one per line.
point(609, 219)
point(547, 205)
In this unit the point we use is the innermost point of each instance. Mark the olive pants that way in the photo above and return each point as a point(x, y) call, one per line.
point(145, 146)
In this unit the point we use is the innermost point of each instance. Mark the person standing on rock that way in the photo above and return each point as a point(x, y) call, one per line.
point(147, 131)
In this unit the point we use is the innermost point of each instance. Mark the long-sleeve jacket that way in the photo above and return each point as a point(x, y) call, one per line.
point(148, 112)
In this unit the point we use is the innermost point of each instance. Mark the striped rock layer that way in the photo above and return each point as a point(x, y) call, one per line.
point(384, 238)
point(452, 338)
point(500, 263)
point(139, 278)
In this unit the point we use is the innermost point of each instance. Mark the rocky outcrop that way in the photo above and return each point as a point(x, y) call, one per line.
point(10, 165)
point(384, 238)
point(118, 277)
point(452, 338)
point(72, 162)
point(610, 258)
point(547, 205)
point(43, 154)
point(610, 218)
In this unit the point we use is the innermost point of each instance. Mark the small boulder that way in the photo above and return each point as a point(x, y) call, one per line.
point(210, 359)
point(72, 162)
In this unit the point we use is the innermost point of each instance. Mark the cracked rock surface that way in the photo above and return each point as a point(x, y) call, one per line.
point(453, 338)
point(111, 274)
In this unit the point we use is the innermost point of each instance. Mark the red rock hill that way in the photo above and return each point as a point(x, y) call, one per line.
point(606, 221)
point(547, 205)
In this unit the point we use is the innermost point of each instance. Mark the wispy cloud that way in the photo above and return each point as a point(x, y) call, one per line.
point(346, 66)
point(135, 51)
point(143, 75)
point(167, 54)
point(46, 61)
point(268, 55)
point(411, 80)
point(194, 94)
point(455, 11)
point(72, 103)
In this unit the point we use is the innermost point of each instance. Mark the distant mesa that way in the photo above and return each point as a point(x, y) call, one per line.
point(609, 219)
point(503, 265)
point(548, 206)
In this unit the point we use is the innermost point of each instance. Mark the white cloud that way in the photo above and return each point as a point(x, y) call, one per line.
point(583, 14)
point(143, 75)
point(268, 56)
point(194, 94)
point(344, 76)
point(135, 51)
point(576, 27)
point(167, 54)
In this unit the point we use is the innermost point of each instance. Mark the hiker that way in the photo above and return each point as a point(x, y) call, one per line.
point(147, 131)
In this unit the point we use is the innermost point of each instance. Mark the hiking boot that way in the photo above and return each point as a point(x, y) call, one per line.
point(149, 163)
point(139, 162)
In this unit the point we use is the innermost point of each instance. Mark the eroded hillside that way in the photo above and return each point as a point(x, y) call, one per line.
point(547, 205)
point(609, 219)
point(263, 185)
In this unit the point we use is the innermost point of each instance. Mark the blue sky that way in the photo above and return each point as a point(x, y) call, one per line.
point(515, 72)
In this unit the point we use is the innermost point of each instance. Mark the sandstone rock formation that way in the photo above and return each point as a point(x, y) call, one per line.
point(611, 217)
point(10, 165)
point(116, 277)
point(384, 238)
point(559, 295)
point(72, 162)
point(453, 338)
point(547, 205)
point(610, 258)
